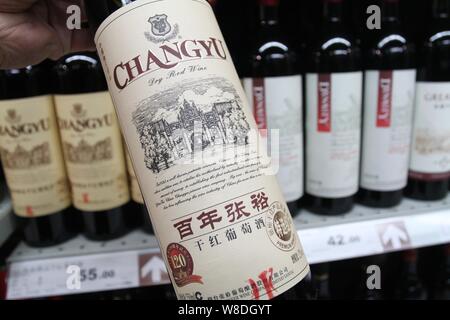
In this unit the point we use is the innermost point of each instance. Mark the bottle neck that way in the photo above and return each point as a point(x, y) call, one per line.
point(99, 10)
point(390, 11)
point(447, 257)
point(333, 11)
point(268, 13)
point(410, 260)
point(322, 286)
point(441, 9)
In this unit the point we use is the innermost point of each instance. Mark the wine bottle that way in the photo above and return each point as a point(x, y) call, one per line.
point(441, 287)
point(136, 196)
point(410, 286)
point(333, 115)
point(321, 281)
point(32, 158)
point(430, 155)
point(390, 79)
point(275, 94)
point(222, 223)
point(92, 146)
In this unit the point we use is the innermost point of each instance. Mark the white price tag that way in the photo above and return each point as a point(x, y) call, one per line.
point(430, 228)
point(72, 275)
point(339, 242)
point(444, 218)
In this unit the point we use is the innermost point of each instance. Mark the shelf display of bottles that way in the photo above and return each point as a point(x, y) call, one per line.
point(104, 145)
point(32, 157)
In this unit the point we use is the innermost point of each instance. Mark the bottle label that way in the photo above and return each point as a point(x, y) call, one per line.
point(277, 105)
point(430, 154)
point(223, 225)
point(93, 151)
point(333, 129)
point(32, 157)
point(136, 193)
point(388, 115)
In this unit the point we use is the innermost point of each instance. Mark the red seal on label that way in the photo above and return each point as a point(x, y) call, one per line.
point(181, 265)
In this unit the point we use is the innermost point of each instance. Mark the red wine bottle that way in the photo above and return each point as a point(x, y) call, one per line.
point(92, 146)
point(321, 281)
point(138, 204)
point(441, 286)
point(274, 89)
point(333, 115)
point(390, 79)
point(430, 155)
point(410, 286)
point(178, 96)
point(32, 157)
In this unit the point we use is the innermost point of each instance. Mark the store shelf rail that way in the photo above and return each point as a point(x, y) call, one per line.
point(135, 260)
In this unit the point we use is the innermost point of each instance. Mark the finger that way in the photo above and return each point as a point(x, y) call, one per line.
point(82, 40)
point(15, 6)
point(25, 40)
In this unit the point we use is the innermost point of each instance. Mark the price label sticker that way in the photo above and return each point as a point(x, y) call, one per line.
point(339, 242)
point(429, 229)
point(444, 218)
point(72, 275)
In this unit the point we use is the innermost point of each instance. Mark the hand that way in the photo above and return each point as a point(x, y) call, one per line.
point(33, 30)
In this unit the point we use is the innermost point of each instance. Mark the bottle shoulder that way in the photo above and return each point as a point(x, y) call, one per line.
point(79, 73)
point(336, 52)
point(273, 55)
point(439, 38)
point(389, 50)
point(84, 60)
point(25, 82)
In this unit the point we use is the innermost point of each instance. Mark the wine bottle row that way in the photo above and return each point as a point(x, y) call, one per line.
point(375, 125)
point(62, 154)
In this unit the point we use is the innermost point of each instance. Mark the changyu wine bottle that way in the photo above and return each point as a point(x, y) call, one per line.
point(92, 146)
point(139, 208)
point(430, 154)
point(390, 80)
point(32, 157)
point(275, 94)
point(222, 223)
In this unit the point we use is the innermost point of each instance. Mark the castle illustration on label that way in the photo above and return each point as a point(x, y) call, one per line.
point(189, 118)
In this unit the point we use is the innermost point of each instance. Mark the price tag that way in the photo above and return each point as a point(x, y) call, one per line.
point(444, 222)
point(429, 228)
point(339, 242)
point(72, 275)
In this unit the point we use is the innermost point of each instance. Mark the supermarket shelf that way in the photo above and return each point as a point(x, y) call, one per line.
point(366, 231)
point(136, 261)
point(6, 220)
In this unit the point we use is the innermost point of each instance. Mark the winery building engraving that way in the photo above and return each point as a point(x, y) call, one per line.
point(192, 122)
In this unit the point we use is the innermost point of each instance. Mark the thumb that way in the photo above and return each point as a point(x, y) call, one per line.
point(25, 40)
